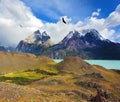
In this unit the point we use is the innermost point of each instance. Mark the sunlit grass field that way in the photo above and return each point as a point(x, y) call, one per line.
point(26, 77)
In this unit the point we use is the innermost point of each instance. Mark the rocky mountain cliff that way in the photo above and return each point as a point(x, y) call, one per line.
point(88, 45)
point(35, 43)
point(2, 48)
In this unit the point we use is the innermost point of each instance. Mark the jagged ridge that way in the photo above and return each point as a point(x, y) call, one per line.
point(88, 45)
point(35, 43)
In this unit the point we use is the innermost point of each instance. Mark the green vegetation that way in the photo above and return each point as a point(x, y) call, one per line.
point(17, 80)
point(26, 76)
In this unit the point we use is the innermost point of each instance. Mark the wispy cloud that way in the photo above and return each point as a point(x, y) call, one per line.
point(104, 25)
point(114, 18)
point(53, 9)
point(47, 8)
point(16, 21)
point(96, 13)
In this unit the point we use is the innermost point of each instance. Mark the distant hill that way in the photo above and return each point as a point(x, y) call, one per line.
point(75, 65)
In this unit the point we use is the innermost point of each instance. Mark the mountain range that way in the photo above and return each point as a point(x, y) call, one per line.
point(87, 44)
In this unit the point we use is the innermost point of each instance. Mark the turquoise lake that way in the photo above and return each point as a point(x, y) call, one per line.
point(109, 64)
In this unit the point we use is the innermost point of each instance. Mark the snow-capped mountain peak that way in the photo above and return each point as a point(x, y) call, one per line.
point(44, 33)
point(92, 33)
point(87, 34)
point(37, 37)
point(37, 32)
point(34, 43)
point(87, 38)
point(73, 33)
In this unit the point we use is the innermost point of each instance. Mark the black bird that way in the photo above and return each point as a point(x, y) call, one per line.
point(20, 25)
point(64, 20)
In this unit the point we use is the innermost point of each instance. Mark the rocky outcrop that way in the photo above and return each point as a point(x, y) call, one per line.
point(101, 96)
point(35, 43)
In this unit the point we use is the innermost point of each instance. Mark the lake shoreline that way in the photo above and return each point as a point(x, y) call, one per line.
point(108, 64)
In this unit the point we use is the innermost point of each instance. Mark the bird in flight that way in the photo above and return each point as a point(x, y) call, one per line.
point(64, 21)
point(21, 25)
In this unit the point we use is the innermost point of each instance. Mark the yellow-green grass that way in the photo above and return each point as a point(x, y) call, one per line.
point(30, 75)
point(26, 76)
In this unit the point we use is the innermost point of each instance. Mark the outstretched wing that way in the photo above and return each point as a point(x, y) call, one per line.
point(63, 20)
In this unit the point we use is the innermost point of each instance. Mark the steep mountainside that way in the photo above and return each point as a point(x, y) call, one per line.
point(2, 48)
point(88, 45)
point(35, 43)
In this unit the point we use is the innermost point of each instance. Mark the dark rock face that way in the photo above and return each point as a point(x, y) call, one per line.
point(7, 48)
point(101, 96)
point(35, 43)
point(2, 48)
point(89, 45)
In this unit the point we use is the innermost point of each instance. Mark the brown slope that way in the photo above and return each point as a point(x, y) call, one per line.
point(84, 81)
point(75, 65)
point(16, 61)
point(14, 93)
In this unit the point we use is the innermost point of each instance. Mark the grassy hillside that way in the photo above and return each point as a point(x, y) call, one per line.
point(16, 61)
point(14, 93)
point(40, 79)
point(75, 65)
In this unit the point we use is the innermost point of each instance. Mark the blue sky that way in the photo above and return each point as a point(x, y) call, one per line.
point(20, 18)
point(51, 10)
point(78, 10)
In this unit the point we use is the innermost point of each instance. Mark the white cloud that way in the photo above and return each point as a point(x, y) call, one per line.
point(118, 36)
point(104, 25)
point(98, 24)
point(16, 21)
point(97, 13)
point(53, 9)
point(47, 8)
point(58, 30)
point(114, 18)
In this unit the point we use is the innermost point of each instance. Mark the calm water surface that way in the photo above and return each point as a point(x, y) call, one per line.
point(109, 64)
